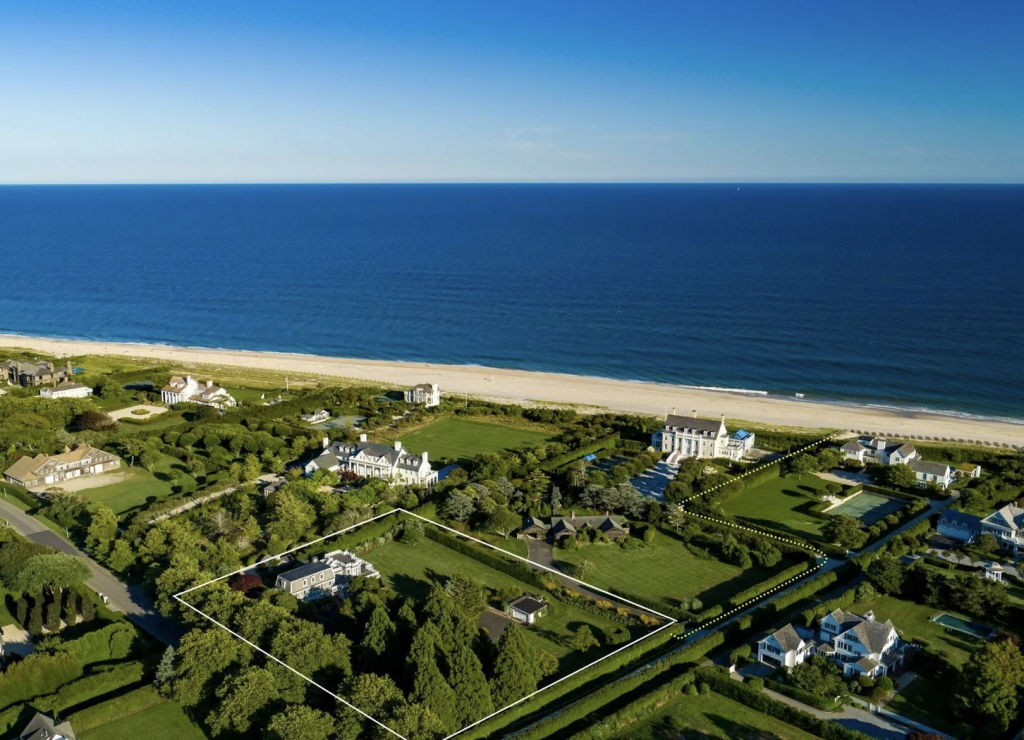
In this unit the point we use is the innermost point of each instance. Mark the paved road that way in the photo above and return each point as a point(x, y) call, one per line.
point(131, 600)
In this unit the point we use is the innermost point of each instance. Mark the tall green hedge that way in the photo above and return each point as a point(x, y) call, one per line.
point(112, 642)
point(10, 717)
point(110, 711)
point(769, 584)
point(26, 497)
point(639, 708)
point(89, 687)
point(37, 675)
point(518, 570)
point(605, 443)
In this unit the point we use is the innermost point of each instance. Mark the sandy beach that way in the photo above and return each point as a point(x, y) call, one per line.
point(522, 386)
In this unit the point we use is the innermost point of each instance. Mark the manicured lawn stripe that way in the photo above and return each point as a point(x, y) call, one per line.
point(461, 439)
point(780, 504)
point(164, 720)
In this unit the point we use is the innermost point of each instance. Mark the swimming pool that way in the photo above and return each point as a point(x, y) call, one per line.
point(962, 625)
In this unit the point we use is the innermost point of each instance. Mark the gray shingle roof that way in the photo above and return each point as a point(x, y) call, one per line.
point(873, 634)
point(304, 571)
point(711, 426)
point(788, 638)
point(930, 468)
point(527, 604)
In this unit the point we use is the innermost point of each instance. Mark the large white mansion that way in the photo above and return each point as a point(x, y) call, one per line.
point(427, 394)
point(66, 389)
point(372, 460)
point(689, 436)
point(189, 390)
point(885, 452)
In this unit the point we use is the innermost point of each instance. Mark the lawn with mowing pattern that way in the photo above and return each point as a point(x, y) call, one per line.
point(163, 720)
point(140, 486)
point(664, 571)
point(782, 504)
point(711, 716)
point(461, 439)
point(413, 569)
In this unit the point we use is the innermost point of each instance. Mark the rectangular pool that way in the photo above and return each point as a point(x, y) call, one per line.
point(962, 625)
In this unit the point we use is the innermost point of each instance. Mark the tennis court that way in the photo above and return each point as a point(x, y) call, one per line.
point(867, 507)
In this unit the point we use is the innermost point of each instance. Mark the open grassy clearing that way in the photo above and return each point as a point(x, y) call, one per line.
point(156, 421)
point(461, 439)
point(928, 697)
point(782, 504)
point(163, 720)
point(412, 569)
point(664, 571)
point(140, 486)
point(711, 716)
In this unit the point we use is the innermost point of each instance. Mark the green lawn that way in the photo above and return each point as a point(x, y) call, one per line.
point(411, 569)
point(160, 421)
point(513, 545)
point(711, 716)
point(782, 504)
point(140, 486)
point(163, 720)
point(927, 698)
point(461, 439)
point(664, 571)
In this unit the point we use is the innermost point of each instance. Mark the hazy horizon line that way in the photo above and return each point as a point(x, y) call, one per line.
point(624, 181)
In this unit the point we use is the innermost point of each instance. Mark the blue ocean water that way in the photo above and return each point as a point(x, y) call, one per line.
point(897, 295)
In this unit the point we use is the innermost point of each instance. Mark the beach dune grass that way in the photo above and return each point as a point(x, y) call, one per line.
point(413, 569)
point(463, 439)
point(664, 571)
point(782, 504)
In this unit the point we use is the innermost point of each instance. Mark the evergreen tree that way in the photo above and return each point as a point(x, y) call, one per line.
point(472, 692)
point(21, 610)
point(165, 669)
point(375, 649)
point(423, 649)
point(583, 639)
point(298, 722)
point(53, 616)
point(88, 609)
point(990, 686)
point(515, 670)
point(35, 620)
point(70, 607)
point(430, 689)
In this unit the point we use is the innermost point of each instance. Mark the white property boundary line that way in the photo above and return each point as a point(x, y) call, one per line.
point(669, 620)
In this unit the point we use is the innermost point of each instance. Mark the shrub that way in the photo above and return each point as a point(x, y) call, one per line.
point(691, 690)
point(704, 689)
point(35, 620)
point(743, 651)
point(21, 610)
point(616, 635)
point(70, 607)
point(90, 687)
point(37, 675)
point(649, 533)
point(112, 642)
point(52, 616)
point(754, 682)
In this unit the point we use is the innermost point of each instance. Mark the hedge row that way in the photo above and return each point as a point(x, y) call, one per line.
point(605, 443)
point(823, 728)
point(10, 717)
point(110, 711)
point(767, 585)
point(761, 476)
point(37, 675)
point(113, 642)
point(26, 497)
point(842, 601)
point(581, 709)
point(645, 706)
point(833, 551)
point(517, 570)
point(805, 697)
point(90, 687)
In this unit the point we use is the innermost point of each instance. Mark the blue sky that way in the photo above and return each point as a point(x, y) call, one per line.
point(339, 91)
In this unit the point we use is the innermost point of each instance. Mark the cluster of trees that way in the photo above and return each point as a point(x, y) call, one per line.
point(827, 458)
point(989, 691)
point(422, 667)
point(965, 592)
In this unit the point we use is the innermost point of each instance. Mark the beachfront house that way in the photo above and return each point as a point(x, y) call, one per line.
point(32, 374)
point(560, 527)
point(861, 645)
point(320, 579)
point(47, 470)
point(927, 473)
point(1007, 526)
point(527, 609)
point(371, 460)
point(690, 436)
point(967, 471)
point(958, 526)
point(66, 389)
point(316, 417)
point(426, 394)
point(786, 647)
point(879, 451)
point(188, 390)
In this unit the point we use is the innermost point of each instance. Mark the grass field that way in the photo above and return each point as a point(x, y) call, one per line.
point(412, 569)
point(868, 507)
point(140, 486)
point(161, 421)
point(711, 716)
point(163, 720)
point(781, 503)
point(664, 571)
point(461, 439)
point(927, 698)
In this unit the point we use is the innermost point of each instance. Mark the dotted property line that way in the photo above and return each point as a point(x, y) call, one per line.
point(723, 522)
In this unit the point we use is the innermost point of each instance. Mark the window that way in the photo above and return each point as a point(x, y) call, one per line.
point(305, 582)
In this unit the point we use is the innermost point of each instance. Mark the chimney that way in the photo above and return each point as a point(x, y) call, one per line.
point(67, 367)
point(723, 418)
point(572, 515)
point(673, 411)
point(426, 461)
point(49, 366)
point(695, 413)
point(362, 437)
point(327, 442)
point(398, 446)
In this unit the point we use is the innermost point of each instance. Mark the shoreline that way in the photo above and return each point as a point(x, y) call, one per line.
point(528, 386)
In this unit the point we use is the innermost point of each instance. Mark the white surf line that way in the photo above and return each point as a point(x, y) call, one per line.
point(796, 543)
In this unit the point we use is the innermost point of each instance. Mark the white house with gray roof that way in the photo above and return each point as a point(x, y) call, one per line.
point(371, 460)
point(1007, 526)
point(322, 578)
point(786, 647)
point(427, 394)
point(928, 472)
point(66, 389)
point(879, 451)
point(691, 436)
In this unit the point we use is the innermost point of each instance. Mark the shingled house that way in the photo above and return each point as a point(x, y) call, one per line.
point(322, 578)
point(46, 470)
point(31, 374)
point(559, 527)
point(371, 460)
